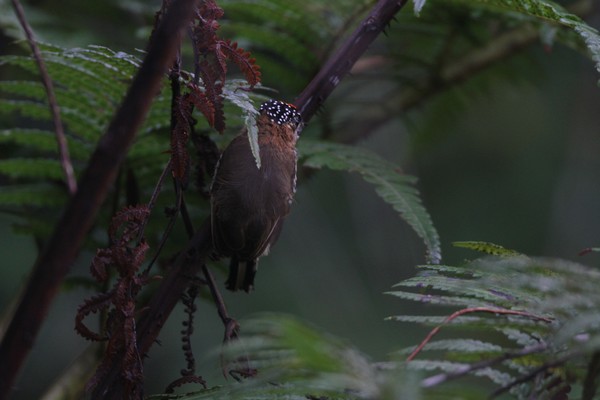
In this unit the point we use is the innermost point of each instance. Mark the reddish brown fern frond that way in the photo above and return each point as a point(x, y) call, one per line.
point(188, 375)
point(199, 99)
point(100, 263)
point(129, 220)
point(212, 55)
point(184, 380)
point(213, 74)
point(92, 305)
point(125, 254)
point(180, 159)
point(244, 61)
point(210, 10)
point(132, 362)
point(128, 260)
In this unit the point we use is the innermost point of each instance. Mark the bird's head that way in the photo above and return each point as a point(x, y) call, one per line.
point(281, 113)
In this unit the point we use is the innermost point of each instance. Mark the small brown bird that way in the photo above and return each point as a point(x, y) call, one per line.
point(248, 204)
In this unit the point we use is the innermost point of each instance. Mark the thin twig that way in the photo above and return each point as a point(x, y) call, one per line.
point(229, 323)
point(530, 375)
point(471, 310)
point(59, 131)
point(444, 377)
point(154, 198)
point(590, 384)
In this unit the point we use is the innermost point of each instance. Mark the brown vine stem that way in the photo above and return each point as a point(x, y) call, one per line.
point(59, 131)
point(65, 242)
point(471, 310)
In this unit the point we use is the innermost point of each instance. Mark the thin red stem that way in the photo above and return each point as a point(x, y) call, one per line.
point(59, 131)
point(471, 310)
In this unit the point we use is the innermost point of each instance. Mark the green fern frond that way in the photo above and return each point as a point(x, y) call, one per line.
point(40, 141)
point(496, 376)
point(430, 320)
point(286, 47)
point(289, 39)
point(460, 345)
point(393, 187)
point(89, 84)
point(487, 248)
point(20, 196)
point(550, 12)
point(550, 313)
point(31, 168)
point(297, 361)
point(482, 296)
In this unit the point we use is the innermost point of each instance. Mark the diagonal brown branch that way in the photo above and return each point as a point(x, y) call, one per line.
point(63, 148)
point(340, 63)
point(67, 239)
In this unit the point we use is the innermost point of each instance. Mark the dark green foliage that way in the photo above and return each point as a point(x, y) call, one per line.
point(86, 113)
point(90, 83)
point(545, 309)
point(487, 248)
point(451, 42)
point(391, 185)
point(290, 40)
point(539, 316)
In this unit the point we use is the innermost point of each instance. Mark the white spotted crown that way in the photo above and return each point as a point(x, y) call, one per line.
point(281, 112)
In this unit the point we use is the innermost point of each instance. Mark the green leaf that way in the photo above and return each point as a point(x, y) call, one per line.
point(42, 141)
point(459, 345)
point(243, 101)
point(298, 361)
point(31, 168)
point(393, 187)
point(289, 39)
point(557, 301)
point(89, 84)
point(418, 6)
point(486, 247)
point(552, 13)
point(32, 195)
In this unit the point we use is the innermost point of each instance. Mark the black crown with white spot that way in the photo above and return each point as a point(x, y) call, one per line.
point(281, 112)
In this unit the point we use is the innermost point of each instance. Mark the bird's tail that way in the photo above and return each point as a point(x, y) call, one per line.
point(241, 275)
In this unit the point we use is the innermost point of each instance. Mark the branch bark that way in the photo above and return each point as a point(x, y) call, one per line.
point(340, 63)
point(65, 243)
